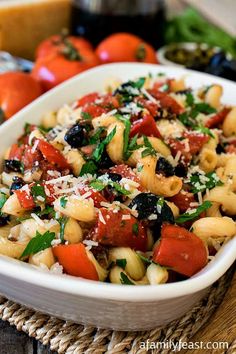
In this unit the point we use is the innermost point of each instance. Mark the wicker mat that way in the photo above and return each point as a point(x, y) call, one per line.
point(67, 337)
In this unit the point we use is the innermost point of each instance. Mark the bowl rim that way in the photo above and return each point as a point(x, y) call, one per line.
point(18, 270)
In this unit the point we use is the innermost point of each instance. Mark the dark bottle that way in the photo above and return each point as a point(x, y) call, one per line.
point(96, 19)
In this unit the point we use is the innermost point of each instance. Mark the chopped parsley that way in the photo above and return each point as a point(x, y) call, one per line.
point(37, 190)
point(202, 182)
point(63, 202)
point(204, 130)
point(38, 243)
point(3, 199)
point(135, 228)
point(89, 168)
point(48, 210)
point(99, 185)
point(149, 149)
point(189, 99)
point(96, 137)
point(121, 263)
point(201, 107)
point(125, 280)
point(97, 154)
point(132, 146)
point(86, 115)
point(62, 221)
point(193, 214)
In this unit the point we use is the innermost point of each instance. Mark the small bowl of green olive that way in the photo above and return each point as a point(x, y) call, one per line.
point(200, 57)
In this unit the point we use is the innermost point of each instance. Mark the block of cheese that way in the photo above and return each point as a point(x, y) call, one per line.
point(24, 23)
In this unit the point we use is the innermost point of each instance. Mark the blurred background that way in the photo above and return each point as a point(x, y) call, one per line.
point(52, 40)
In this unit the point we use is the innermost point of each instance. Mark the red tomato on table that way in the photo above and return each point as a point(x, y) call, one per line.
point(120, 47)
point(17, 89)
point(59, 43)
point(55, 68)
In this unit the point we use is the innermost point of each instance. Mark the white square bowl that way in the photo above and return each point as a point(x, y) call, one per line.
point(101, 304)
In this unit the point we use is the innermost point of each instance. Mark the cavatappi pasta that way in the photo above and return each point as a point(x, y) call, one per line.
point(135, 186)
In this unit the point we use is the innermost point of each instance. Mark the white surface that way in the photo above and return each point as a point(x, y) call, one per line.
point(101, 304)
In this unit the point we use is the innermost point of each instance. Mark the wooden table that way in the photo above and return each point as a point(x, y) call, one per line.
point(222, 327)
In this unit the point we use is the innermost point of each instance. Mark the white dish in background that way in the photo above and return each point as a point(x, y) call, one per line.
point(101, 304)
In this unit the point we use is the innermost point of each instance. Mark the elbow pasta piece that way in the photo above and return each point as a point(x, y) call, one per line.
point(115, 277)
point(168, 128)
point(225, 197)
point(174, 208)
point(103, 121)
point(134, 265)
point(158, 184)
point(157, 144)
point(5, 231)
point(35, 134)
point(214, 227)
point(81, 210)
point(177, 84)
point(214, 210)
point(76, 161)
point(45, 257)
point(30, 226)
point(49, 120)
point(228, 173)
point(229, 124)
point(213, 96)
point(102, 273)
point(10, 248)
point(208, 160)
point(115, 147)
point(66, 115)
point(73, 232)
point(12, 206)
point(222, 159)
point(156, 274)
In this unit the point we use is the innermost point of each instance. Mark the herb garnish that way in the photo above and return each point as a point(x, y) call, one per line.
point(125, 280)
point(200, 183)
point(99, 185)
point(100, 148)
point(135, 228)
point(188, 216)
point(63, 202)
point(149, 149)
point(62, 221)
point(37, 190)
point(121, 263)
point(38, 243)
point(96, 137)
point(86, 115)
point(89, 168)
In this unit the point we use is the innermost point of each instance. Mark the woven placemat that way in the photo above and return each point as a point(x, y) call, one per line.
point(70, 338)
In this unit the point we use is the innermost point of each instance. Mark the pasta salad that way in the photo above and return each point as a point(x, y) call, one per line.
point(134, 186)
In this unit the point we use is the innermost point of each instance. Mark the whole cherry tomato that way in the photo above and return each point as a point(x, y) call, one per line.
point(17, 89)
point(58, 67)
point(59, 44)
point(120, 47)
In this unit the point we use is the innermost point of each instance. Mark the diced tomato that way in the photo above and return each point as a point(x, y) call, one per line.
point(30, 157)
point(46, 166)
point(231, 149)
point(16, 152)
point(95, 195)
point(181, 250)
point(109, 101)
point(183, 200)
point(125, 171)
point(25, 198)
point(53, 155)
point(218, 118)
point(166, 101)
point(75, 261)
point(113, 229)
point(94, 110)
point(90, 98)
point(152, 107)
point(195, 143)
point(145, 126)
